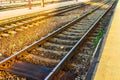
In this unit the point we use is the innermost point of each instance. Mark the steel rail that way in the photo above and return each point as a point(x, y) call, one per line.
point(98, 51)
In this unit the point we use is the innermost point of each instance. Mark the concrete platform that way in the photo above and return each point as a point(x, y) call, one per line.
point(24, 11)
point(109, 66)
point(17, 3)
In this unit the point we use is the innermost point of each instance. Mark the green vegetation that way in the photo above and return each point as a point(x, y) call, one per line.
point(100, 34)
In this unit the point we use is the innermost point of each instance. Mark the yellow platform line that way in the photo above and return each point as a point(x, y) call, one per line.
point(109, 66)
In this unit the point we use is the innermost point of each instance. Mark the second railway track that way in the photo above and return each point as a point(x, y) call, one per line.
point(21, 23)
point(11, 26)
point(48, 55)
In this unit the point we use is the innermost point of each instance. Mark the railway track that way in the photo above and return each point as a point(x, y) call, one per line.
point(48, 56)
point(15, 25)
point(79, 60)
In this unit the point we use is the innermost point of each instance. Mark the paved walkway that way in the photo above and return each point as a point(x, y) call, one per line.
point(18, 12)
point(17, 3)
point(109, 66)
